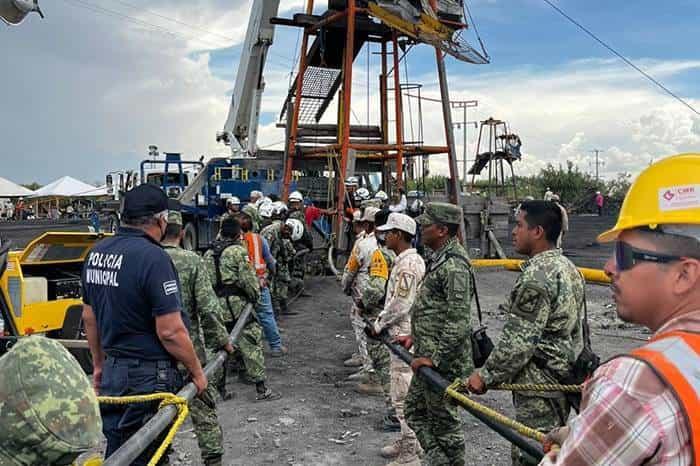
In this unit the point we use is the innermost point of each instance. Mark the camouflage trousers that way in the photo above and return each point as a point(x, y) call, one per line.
point(250, 346)
point(358, 326)
point(543, 414)
point(400, 376)
point(379, 355)
point(206, 425)
point(437, 424)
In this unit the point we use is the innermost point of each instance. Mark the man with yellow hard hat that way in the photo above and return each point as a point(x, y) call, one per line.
point(642, 407)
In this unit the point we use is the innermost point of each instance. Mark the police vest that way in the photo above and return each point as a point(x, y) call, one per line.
point(254, 245)
point(675, 358)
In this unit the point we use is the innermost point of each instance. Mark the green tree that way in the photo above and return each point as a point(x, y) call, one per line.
point(33, 186)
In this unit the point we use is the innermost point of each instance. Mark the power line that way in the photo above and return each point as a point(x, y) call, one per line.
point(175, 20)
point(152, 27)
point(621, 57)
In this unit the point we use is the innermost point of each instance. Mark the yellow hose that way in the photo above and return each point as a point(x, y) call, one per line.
point(591, 275)
point(166, 399)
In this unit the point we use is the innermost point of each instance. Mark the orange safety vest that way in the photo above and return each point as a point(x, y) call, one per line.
point(675, 357)
point(254, 245)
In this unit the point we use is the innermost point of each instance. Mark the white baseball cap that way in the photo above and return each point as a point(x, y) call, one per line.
point(370, 213)
point(401, 222)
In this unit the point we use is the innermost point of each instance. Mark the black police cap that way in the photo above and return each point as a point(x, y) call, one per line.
point(143, 200)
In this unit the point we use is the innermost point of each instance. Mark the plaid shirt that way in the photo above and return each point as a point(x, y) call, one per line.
point(629, 416)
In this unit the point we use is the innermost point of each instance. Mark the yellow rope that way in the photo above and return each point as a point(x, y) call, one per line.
point(522, 429)
point(166, 399)
point(537, 387)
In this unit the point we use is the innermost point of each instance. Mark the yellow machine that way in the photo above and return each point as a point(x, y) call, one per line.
point(40, 290)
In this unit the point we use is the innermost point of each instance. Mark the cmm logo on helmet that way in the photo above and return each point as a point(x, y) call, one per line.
point(679, 197)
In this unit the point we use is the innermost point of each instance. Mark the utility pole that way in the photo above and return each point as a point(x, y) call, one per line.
point(464, 105)
point(598, 163)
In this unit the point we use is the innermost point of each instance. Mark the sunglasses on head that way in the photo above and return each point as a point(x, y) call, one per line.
point(627, 256)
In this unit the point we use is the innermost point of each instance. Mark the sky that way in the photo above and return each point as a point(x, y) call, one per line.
point(87, 90)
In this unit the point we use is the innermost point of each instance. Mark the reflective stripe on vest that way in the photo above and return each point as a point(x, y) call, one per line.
point(675, 357)
point(254, 245)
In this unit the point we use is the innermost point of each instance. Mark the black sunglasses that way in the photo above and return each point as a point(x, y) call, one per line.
point(627, 256)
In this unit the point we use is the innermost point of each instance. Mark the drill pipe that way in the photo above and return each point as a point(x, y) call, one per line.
point(439, 384)
point(138, 442)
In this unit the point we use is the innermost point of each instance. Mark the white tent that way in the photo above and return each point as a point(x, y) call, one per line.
point(10, 189)
point(94, 192)
point(63, 187)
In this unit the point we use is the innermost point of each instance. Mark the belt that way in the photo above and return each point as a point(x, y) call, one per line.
point(160, 363)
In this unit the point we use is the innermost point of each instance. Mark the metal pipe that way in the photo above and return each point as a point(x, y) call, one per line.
point(328, 20)
point(344, 125)
point(150, 431)
point(456, 194)
point(398, 103)
point(439, 384)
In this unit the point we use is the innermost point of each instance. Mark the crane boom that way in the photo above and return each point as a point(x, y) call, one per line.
point(241, 128)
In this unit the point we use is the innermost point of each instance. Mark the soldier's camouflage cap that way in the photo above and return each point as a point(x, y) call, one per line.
point(48, 409)
point(174, 217)
point(440, 212)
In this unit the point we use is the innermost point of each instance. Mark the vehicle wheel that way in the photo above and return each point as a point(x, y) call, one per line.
point(189, 242)
point(73, 329)
point(113, 224)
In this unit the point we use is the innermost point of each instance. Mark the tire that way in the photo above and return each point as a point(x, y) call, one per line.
point(189, 242)
point(73, 329)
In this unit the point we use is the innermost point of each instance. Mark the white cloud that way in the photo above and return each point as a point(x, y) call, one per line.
point(88, 93)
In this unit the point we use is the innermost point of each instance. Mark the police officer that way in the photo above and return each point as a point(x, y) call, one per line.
point(207, 329)
point(133, 317)
point(543, 334)
point(441, 332)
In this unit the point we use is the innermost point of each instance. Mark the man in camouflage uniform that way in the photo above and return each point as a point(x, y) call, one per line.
point(48, 408)
point(207, 330)
point(354, 281)
point(236, 285)
point(296, 211)
point(278, 235)
point(543, 335)
point(440, 335)
point(381, 262)
point(254, 215)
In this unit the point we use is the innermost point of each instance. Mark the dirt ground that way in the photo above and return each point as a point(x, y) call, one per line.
point(320, 420)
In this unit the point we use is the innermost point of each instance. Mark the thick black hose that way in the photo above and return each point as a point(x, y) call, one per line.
point(439, 384)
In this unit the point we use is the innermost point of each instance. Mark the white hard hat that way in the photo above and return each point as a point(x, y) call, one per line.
point(362, 194)
point(279, 207)
point(370, 213)
point(296, 197)
point(352, 181)
point(262, 201)
point(297, 228)
point(381, 195)
point(233, 201)
point(401, 222)
point(255, 193)
point(357, 216)
point(265, 211)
